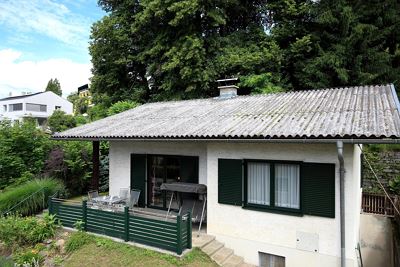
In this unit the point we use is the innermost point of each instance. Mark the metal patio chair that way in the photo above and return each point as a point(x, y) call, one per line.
point(124, 194)
point(134, 198)
point(92, 194)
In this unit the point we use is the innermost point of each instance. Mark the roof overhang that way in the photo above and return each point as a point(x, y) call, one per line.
point(245, 140)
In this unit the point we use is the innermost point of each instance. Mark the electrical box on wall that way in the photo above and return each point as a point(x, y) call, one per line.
point(307, 241)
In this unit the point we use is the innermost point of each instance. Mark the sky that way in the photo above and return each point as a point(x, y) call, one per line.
point(44, 39)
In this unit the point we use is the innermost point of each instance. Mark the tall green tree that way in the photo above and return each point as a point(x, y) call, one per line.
point(54, 86)
point(152, 50)
point(331, 43)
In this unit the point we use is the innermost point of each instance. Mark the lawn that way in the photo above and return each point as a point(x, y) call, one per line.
point(102, 252)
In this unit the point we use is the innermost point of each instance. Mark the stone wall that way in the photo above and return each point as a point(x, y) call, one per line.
point(387, 166)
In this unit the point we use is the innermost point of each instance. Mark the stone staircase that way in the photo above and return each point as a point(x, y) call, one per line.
point(218, 252)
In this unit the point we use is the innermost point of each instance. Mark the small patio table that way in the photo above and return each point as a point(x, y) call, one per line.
point(109, 200)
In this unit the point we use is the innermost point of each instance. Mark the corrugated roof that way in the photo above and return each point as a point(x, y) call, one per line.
point(351, 112)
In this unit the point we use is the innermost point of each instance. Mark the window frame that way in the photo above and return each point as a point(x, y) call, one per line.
point(14, 110)
point(271, 207)
point(35, 104)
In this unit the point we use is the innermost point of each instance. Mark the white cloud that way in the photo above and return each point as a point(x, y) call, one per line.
point(22, 76)
point(46, 17)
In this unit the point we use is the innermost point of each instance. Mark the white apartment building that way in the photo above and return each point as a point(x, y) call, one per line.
point(37, 105)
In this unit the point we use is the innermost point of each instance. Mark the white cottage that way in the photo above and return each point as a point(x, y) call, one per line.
point(282, 170)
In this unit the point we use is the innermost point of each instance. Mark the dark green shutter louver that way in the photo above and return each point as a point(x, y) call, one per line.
point(138, 175)
point(230, 181)
point(318, 193)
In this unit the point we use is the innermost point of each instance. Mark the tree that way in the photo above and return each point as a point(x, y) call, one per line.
point(121, 106)
point(23, 150)
point(54, 86)
point(154, 50)
point(337, 43)
point(60, 121)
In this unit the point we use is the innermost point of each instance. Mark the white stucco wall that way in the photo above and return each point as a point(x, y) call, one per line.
point(249, 232)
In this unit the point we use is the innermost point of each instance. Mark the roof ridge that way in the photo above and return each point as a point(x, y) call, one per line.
point(20, 96)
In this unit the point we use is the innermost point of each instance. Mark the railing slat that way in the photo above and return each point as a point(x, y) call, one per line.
point(170, 235)
point(377, 204)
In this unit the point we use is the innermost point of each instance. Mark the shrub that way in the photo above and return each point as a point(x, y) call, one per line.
point(121, 106)
point(17, 231)
point(78, 240)
point(13, 196)
point(23, 148)
point(29, 257)
point(60, 121)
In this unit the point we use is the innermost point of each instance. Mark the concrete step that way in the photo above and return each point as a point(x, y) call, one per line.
point(222, 255)
point(212, 247)
point(232, 261)
point(202, 240)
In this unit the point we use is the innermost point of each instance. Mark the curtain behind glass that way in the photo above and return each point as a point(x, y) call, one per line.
point(287, 186)
point(258, 183)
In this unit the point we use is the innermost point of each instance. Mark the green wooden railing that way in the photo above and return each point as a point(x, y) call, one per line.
point(172, 235)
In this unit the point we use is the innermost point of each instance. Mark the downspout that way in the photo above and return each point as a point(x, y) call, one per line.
point(339, 145)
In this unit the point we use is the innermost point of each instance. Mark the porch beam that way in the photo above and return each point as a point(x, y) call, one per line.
point(96, 165)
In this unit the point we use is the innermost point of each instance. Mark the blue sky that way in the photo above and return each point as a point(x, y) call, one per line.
point(43, 39)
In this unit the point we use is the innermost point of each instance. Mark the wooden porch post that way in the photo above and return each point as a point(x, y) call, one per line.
point(96, 165)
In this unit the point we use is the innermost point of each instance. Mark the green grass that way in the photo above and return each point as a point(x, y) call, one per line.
point(103, 252)
point(6, 262)
point(38, 202)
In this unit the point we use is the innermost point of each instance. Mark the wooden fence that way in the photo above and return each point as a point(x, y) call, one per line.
point(173, 235)
point(377, 204)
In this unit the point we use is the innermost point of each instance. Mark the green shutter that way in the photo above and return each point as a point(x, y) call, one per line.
point(318, 189)
point(138, 175)
point(230, 181)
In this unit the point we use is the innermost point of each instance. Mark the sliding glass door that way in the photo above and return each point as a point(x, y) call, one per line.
point(168, 169)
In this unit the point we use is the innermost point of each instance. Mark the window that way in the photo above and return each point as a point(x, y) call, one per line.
point(36, 107)
point(4, 108)
point(258, 183)
point(57, 107)
point(270, 260)
point(15, 107)
point(148, 172)
point(274, 186)
point(284, 179)
point(287, 186)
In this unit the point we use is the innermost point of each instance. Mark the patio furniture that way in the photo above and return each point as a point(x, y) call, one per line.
point(107, 203)
point(92, 194)
point(124, 193)
point(134, 198)
point(195, 206)
point(200, 189)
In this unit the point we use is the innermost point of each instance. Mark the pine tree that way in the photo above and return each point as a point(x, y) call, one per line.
point(54, 86)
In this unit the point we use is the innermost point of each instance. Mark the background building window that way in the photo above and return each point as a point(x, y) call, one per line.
point(36, 107)
point(15, 107)
point(57, 107)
